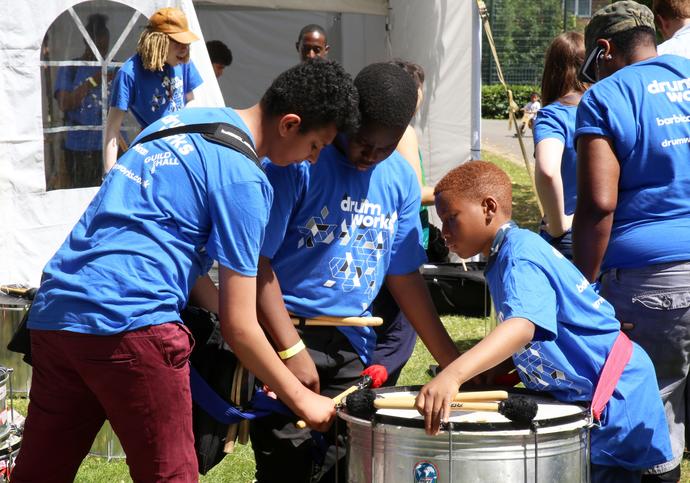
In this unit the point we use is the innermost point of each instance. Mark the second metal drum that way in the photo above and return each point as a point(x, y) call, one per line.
point(12, 310)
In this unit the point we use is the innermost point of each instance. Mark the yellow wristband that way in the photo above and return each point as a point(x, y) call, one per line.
point(91, 81)
point(292, 351)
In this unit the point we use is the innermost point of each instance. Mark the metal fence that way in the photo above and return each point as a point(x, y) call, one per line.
point(523, 29)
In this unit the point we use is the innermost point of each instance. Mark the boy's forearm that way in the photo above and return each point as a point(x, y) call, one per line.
point(505, 340)
point(273, 315)
point(413, 298)
point(242, 332)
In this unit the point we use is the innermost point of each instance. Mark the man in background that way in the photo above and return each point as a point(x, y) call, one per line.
point(673, 19)
point(312, 42)
point(221, 56)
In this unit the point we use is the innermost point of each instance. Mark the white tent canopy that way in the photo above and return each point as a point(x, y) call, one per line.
point(436, 34)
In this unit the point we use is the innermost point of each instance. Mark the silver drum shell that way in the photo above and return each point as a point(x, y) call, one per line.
point(477, 456)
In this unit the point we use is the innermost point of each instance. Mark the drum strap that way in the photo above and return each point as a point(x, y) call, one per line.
point(224, 412)
point(217, 132)
point(610, 374)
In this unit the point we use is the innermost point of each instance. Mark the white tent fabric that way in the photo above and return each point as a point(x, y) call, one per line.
point(261, 33)
point(371, 7)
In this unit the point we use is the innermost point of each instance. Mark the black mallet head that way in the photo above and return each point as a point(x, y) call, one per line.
point(518, 409)
point(360, 403)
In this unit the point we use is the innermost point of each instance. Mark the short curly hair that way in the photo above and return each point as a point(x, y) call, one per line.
point(475, 180)
point(317, 90)
point(387, 95)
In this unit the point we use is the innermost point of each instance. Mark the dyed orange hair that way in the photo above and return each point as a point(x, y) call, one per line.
point(476, 180)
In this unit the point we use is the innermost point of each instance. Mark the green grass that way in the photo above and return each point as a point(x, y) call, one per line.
point(465, 331)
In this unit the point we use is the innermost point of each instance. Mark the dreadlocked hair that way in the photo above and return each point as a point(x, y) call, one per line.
point(153, 49)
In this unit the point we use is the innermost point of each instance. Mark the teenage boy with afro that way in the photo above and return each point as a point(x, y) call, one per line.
point(546, 310)
point(340, 229)
point(107, 341)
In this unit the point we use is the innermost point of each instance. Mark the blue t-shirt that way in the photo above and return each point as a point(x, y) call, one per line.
point(165, 211)
point(89, 112)
point(575, 330)
point(644, 109)
point(557, 121)
point(335, 232)
point(152, 95)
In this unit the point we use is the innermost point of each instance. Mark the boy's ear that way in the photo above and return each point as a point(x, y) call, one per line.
point(289, 123)
point(490, 206)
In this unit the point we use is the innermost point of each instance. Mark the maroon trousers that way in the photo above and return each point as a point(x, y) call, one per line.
point(138, 380)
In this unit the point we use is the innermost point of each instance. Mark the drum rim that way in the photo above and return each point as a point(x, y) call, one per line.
point(9, 446)
point(481, 426)
point(13, 303)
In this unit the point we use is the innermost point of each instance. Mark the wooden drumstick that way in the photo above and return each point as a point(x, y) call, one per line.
point(470, 396)
point(364, 403)
point(327, 321)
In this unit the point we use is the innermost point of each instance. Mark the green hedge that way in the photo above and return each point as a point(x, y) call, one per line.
point(495, 100)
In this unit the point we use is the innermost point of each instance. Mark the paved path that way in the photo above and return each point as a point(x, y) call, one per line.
point(497, 139)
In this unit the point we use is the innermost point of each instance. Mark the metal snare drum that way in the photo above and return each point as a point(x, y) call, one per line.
point(9, 449)
point(12, 310)
point(480, 447)
point(4, 413)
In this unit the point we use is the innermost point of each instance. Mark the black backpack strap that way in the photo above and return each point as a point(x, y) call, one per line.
point(217, 132)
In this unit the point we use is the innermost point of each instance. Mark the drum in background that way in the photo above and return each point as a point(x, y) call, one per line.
point(480, 447)
point(9, 449)
point(12, 439)
point(4, 413)
point(12, 309)
point(106, 444)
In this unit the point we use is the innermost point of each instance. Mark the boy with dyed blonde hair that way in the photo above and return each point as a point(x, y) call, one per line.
point(556, 327)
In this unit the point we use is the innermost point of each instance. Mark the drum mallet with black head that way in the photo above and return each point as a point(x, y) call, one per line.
point(373, 376)
point(364, 403)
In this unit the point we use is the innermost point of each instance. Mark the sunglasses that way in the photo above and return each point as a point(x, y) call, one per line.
point(588, 70)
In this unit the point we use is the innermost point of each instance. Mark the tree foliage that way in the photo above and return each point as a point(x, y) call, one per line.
point(522, 31)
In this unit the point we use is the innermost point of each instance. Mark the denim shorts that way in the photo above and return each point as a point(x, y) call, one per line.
point(656, 301)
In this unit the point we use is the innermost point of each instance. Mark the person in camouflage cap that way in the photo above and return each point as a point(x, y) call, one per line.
point(631, 228)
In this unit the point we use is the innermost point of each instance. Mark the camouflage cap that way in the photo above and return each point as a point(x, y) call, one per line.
point(615, 18)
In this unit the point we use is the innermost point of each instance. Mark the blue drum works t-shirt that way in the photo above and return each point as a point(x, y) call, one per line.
point(336, 232)
point(152, 95)
point(557, 121)
point(644, 109)
point(575, 330)
point(164, 212)
point(89, 112)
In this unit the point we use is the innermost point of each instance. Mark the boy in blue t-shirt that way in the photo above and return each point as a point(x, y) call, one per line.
point(107, 341)
point(338, 230)
point(556, 327)
point(157, 80)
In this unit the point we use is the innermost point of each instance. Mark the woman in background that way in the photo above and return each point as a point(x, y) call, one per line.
point(409, 146)
point(554, 127)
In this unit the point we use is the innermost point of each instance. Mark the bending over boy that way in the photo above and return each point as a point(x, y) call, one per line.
point(106, 337)
point(546, 309)
point(338, 230)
